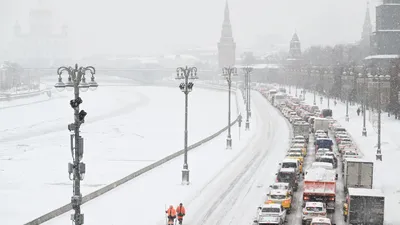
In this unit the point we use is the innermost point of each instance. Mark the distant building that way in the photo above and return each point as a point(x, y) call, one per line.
point(39, 46)
point(295, 57)
point(365, 43)
point(386, 38)
point(226, 45)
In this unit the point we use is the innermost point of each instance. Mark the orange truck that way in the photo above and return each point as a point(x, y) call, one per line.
point(320, 186)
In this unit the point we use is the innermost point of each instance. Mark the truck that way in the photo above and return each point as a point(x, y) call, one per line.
point(320, 186)
point(358, 173)
point(365, 206)
point(301, 129)
point(321, 124)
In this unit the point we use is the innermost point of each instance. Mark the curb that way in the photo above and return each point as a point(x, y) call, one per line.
point(63, 209)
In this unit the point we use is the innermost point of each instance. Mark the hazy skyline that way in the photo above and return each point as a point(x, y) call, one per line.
point(157, 26)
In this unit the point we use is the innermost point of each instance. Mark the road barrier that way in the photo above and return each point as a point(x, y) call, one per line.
point(103, 190)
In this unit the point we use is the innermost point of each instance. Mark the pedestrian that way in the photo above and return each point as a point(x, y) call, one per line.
point(181, 211)
point(358, 111)
point(171, 213)
point(335, 102)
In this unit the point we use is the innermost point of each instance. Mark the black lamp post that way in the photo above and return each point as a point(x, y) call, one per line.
point(247, 71)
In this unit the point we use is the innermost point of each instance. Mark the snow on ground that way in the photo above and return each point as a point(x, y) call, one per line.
point(384, 177)
point(126, 129)
point(161, 186)
point(227, 189)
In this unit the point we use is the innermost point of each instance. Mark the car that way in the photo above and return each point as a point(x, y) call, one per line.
point(321, 221)
point(268, 220)
point(291, 163)
point(300, 145)
point(321, 152)
point(317, 132)
point(272, 210)
point(296, 155)
point(350, 154)
point(312, 210)
point(327, 159)
point(340, 137)
point(299, 137)
point(333, 155)
point(288, 175)
point(281, 186)
point(280, 197)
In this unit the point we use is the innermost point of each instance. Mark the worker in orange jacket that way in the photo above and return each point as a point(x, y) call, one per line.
point(181, 211)
point(171, 213)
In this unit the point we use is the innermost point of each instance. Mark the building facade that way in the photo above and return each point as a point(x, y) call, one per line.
point(226, 44)
point(295, 57)
point(386, 38)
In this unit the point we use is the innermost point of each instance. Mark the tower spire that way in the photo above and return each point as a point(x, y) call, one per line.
point(367, 27)
point(226, 45)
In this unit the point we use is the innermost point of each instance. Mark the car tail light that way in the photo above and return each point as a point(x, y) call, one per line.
point(306, 198)
point(305, 213)
point(331, 199)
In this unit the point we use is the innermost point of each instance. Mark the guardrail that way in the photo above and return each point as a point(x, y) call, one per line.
point(103, 190)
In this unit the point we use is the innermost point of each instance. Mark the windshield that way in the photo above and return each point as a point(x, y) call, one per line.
point(295, 154)
point(278, 196)
point(289, 165)
point(279, 187)
point(327, 160)
point(314, 209)
point(270, 210)
point(284, 176)
point(320, 224)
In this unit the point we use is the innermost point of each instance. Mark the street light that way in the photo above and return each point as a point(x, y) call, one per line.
point(186, 74)
point(247, 70)
point(379, 79)
point(364, 76)
point(77, 169)
point(228, 72)
point(346, 77)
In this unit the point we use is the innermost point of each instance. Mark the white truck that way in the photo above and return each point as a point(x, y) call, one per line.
point(321, 124)
point(301, 129)
point(358, 173)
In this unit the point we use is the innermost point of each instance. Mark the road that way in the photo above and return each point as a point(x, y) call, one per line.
point(233, 196)
point(295, 217)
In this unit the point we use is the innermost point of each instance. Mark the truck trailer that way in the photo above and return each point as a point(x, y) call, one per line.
point(365, 206)
point(358, 173)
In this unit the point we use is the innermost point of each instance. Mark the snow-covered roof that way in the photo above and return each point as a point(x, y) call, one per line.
point(288, 160)
point(320, 174)
point(287, 170)
point(392, 56)
point(358, 160)
point(182, 56)
point(366, 192)
point(324, 165)
point(271, 206)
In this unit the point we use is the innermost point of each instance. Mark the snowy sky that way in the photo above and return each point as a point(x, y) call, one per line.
point(156, 26)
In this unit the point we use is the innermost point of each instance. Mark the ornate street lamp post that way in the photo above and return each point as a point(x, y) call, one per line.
point(228, 72)
point(186, 74)
point(76, 82)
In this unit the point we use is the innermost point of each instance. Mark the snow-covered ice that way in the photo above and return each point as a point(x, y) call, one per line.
point(384, 172)
point(239, 177)
point(126, 129)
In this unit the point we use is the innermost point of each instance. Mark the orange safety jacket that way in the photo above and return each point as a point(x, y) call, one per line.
point(181, 211)
point(171, 212)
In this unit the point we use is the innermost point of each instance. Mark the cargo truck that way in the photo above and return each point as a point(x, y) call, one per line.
point(358, 173)
point(321, 124)
point(320, 186)
point(301, 129)
point(365, 206)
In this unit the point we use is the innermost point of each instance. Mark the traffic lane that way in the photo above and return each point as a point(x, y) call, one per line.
point(295, 217)
point(217, 200)
point(252, 195)
point(337, 216)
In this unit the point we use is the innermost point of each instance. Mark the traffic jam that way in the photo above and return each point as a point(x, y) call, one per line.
point(323, 180)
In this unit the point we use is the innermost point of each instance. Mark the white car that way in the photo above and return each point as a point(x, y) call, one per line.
point(312, 210)
point(321, 221)
point(272, 210)
point(321, 152)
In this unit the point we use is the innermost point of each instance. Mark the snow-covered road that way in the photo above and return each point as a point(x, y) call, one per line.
point(227, 185)
point(126, 129)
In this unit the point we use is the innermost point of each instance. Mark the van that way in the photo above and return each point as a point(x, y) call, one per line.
point(291, 163)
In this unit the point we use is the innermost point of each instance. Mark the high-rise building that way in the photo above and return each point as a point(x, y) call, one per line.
point(226, 44)
point(386, 38)
point(39, 46)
